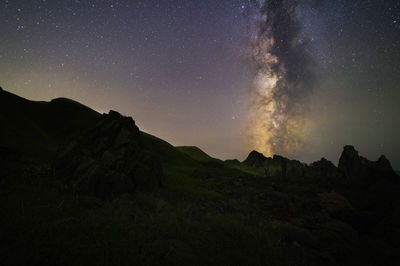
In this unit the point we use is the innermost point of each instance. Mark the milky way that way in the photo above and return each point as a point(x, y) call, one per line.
point(283, 81)
point(323, 73)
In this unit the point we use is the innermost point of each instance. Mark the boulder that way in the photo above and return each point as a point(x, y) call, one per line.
point(108, 159)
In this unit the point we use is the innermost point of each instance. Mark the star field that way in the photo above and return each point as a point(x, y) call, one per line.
point(181, 68)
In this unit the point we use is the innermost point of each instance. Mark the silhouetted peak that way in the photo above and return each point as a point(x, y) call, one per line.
point(113, 113)
point(322, 168)
point(350, 161)
point(255, 153)
point(1, 89)
point(323, 163)
point(62, 99)
point(115, 117)
point(384, 163)
point(255, 159)
point(350, 151)
point(354, 165)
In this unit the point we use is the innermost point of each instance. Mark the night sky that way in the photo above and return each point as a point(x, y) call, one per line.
point(299, 78)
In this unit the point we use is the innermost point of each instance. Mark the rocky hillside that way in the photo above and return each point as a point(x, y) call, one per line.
point(108, 159)
point(81, 188)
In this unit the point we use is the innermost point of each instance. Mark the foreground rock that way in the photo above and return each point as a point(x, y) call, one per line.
point(356, 167)
point(108, 159)
point(343, 212)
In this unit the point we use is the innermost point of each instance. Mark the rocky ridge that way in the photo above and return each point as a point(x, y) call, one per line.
point(343, 212)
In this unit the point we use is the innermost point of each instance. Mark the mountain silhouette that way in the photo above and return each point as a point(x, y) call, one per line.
point(80, 187)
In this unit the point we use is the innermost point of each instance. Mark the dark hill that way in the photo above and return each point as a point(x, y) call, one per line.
point(197, 154)
point(38, 127)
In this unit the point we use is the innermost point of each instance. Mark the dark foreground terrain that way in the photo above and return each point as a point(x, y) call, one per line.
point(81, 188)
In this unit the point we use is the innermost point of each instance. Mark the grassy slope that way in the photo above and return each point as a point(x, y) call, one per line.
point(38, 128)
point(186, 223)
point(183, 165)
point(241, 167)
point(197, 154)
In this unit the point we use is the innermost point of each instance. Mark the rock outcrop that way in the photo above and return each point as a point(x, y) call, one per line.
point(322, 169)
point(255, 159)
point(108, 159)
point(275, 166)
point(350, 162)
point(357, 167)
point(343, 209)
point(284, 167)
point(351, 165)
point(372, 186)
